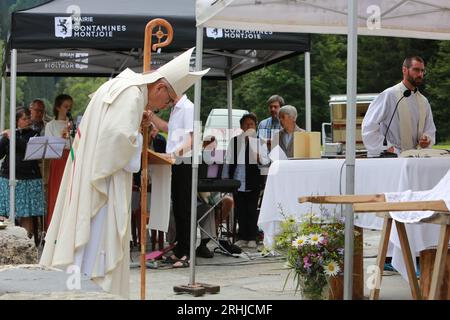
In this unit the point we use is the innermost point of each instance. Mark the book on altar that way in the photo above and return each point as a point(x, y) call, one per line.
point(307, 145)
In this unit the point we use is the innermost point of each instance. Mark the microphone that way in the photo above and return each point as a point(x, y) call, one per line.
point(385, 153)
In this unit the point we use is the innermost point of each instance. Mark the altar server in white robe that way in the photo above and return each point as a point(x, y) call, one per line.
point(412, 124)
point(90, 227)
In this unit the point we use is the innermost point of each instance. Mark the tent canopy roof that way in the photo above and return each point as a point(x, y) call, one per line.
point(102, 37)
point(425, 19)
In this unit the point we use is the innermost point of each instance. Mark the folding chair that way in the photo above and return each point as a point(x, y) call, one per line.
point(377, 203)
point(215, 185)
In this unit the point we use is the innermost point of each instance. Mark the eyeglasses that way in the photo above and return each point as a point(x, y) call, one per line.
point(419, 70)
point(170, 101)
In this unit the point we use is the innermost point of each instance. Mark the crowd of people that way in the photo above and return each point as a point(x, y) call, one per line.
point(37, 182)
point(90, 205)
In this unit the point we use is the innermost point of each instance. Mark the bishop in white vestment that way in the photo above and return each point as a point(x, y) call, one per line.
point(90, 227)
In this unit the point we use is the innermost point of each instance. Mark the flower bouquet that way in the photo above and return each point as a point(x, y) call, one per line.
point(314, 250)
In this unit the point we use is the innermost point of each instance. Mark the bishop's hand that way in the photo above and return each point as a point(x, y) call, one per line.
point(146, 118)
point(424, 141)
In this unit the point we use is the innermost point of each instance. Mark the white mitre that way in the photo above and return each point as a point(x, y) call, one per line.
point(176, 72)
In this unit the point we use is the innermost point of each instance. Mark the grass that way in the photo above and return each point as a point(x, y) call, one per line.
point(445, 145)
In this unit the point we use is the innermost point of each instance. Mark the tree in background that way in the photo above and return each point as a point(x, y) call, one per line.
point(287, 78)
point(438, 80)
point(379, 66)
point(79, 88)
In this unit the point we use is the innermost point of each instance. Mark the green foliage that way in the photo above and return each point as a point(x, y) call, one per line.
point(287, 78)
point(9, 6)
point(79, 88)
point(439, 89)
point(379, 66)
point(380, 60)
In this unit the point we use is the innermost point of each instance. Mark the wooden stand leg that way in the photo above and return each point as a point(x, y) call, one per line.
point(439, 262)
point(382, 251)
point(407, 257)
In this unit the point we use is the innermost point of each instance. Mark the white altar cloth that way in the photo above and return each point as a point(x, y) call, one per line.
point(290, 179)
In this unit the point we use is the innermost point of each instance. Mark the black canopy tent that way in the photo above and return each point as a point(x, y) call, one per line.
point(102, 37)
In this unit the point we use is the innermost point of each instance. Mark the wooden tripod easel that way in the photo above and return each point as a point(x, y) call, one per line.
point(148, 47)
point(377, 203)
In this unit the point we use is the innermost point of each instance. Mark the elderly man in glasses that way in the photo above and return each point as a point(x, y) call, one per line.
point(406, 110)
point(91, 224)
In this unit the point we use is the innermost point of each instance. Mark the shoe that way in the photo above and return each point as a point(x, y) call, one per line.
point(388, 267)
point(231, 248)
point(252, 244)
point(241, 243)
point(204, 252)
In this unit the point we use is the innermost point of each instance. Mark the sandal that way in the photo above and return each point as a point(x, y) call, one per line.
point(170, 259)
point(181, 263)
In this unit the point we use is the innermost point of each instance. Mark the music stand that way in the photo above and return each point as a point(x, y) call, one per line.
point(41, 148)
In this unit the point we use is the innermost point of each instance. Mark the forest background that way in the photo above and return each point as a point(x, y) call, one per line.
point(379, 66)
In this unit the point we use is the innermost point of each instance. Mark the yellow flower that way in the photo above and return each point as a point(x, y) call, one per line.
point(332, 268)
point(300, 241)
point(315, 238)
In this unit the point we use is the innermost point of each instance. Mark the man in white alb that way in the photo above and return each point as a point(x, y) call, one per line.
point(90, 227)
point(412, 124)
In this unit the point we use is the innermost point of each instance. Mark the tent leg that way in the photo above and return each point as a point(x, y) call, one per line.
point(195, 151)
point(352, 45)
point(3, 104)
point(196, 289)
point(230, 101)
point(307, 91)
point(12, 145)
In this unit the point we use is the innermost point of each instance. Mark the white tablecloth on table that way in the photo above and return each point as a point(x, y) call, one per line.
point(290, 179)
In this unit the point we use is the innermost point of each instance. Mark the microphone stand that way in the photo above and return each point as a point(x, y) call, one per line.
point(385, 153)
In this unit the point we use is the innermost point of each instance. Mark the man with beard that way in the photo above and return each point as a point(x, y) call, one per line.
point(412, 124)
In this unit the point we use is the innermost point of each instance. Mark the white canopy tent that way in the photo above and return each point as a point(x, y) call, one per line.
point(33, 53)
point(423, 19)
point(426, 19)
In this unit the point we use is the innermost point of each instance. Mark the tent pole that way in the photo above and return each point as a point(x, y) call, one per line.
point(12, 138)
point(3, 103)
point(352, 46)
point(307, 91)
point(195, 152)
point(230, 101)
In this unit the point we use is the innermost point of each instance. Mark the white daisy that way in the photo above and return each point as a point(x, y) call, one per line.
point(332, 268)
point(315, 238)
point(300, 241)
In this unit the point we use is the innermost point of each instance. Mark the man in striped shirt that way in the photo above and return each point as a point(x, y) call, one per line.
point(271, 125)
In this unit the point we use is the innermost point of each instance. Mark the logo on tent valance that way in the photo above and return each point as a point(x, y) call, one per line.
point(84, 27)
point(218, 33)
point(63, 27)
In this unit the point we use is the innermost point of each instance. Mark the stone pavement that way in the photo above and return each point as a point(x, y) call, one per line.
point(249, 277)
